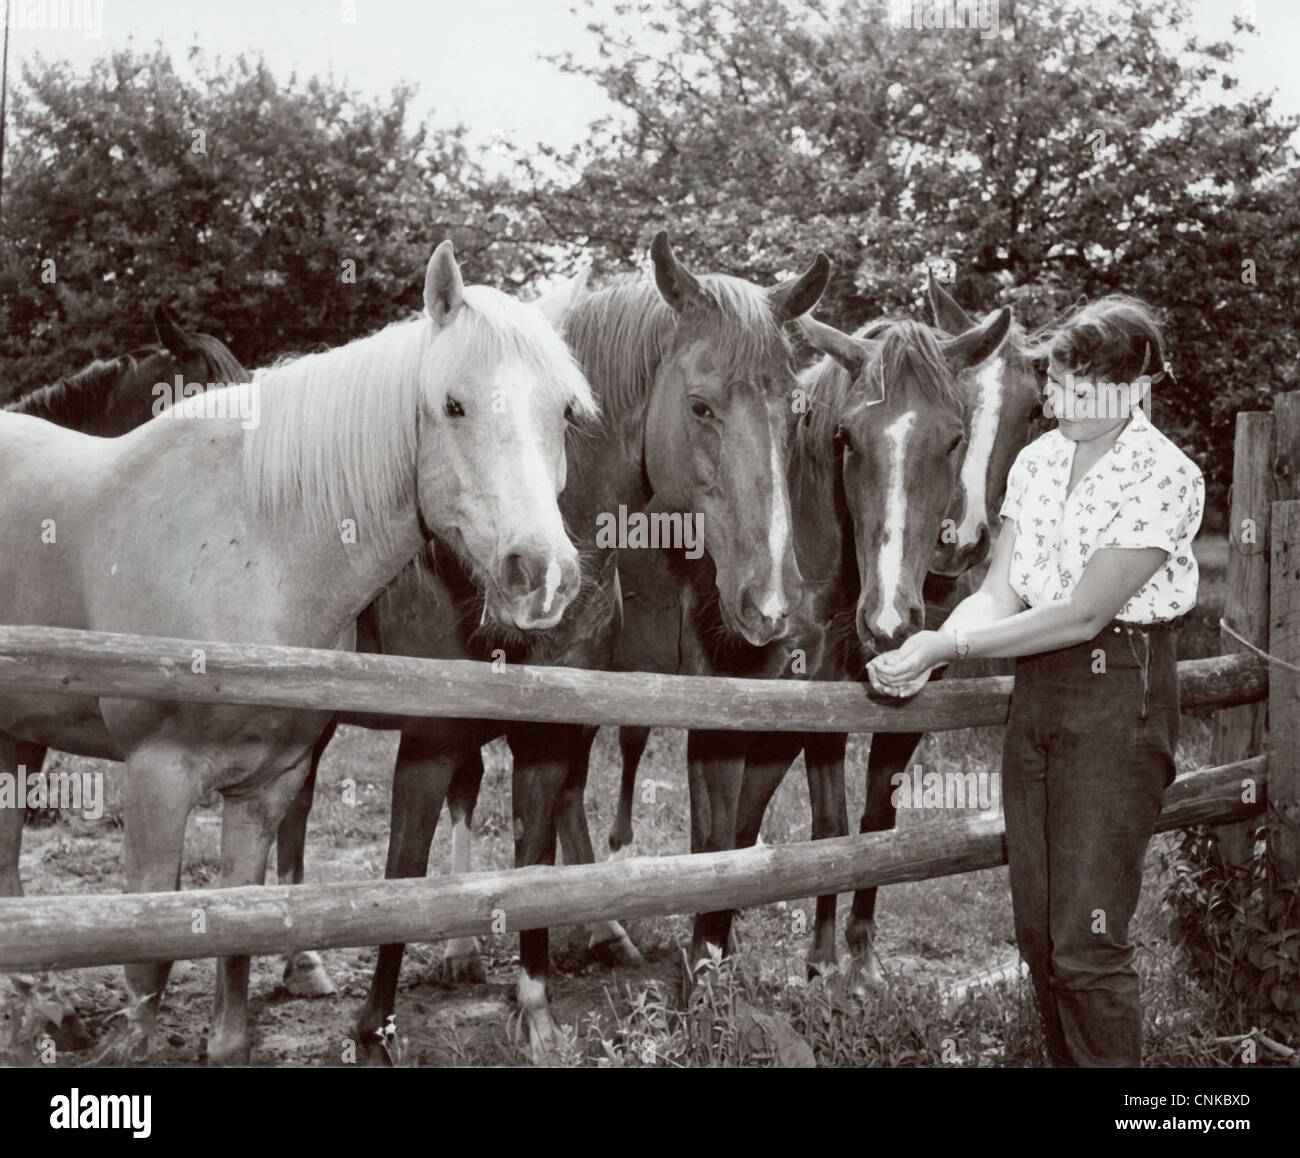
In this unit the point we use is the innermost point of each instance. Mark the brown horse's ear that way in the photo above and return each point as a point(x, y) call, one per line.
point(948, 315)
point(851, 353)
point(444, 291)
point(170, 331)
point(676, 283)
point(794, 298)
point(978, 343)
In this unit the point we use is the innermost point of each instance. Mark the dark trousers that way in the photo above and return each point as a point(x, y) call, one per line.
point(1088, 755)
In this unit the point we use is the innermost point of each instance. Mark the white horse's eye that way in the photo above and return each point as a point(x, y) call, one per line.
point(453, 409)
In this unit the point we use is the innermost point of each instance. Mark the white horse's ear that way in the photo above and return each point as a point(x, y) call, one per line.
point(444, 291)
point(557, 302)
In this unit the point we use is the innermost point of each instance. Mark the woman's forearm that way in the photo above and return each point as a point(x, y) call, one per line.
point(982, 607)
point(1029, 632)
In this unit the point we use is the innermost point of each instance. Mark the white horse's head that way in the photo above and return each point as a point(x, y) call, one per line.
point(498, 386)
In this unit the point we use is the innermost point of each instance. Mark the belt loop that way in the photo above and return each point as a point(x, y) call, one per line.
point(1146, 675)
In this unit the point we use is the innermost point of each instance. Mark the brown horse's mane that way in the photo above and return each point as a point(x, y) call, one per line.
point(904, 345)
point(79, 398)
point(228, 369)
point(83, 399)
point(622, 332)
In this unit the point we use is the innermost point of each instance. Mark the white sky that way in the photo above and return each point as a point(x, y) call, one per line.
point(478, 61)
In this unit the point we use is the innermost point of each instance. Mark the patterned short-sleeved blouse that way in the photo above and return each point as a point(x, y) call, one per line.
point(1144, 492)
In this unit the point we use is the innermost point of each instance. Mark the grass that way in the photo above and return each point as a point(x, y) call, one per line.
point(755, 1009)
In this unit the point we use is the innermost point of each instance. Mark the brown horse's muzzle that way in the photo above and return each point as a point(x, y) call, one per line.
point(951, 561)
point(879, 633)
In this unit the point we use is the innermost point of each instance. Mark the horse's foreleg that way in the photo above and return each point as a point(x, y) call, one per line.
point(462, 961)
point(716, 762)
point(158, 795)
point(541, 767)
point(304, 972)
point(632, 741)
point(419, 787)
point(891, 753)
point(248, 824)
point(608, 940)
point(15, 753)
point(824, 759)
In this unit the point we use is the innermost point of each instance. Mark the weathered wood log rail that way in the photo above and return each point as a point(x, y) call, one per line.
point(59, 660)
point(72, 932)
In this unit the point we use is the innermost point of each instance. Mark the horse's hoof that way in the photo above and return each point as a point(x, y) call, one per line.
point(865, 975)
point(543, 1040)
point(305, 976)
point(466, 970)
point(375, 1056)
point(617, 952)
point(818, 969)
point(124, 1045)
point(619, 837)
point(462, 964)
point(221, 1054)
point(70, 1035)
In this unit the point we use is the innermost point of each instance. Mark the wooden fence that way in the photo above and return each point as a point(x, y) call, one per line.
point(1253, 765)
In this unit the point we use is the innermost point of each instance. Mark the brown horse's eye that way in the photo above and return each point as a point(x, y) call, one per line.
point(701, 409)
point(453, 409)
point(954, 444)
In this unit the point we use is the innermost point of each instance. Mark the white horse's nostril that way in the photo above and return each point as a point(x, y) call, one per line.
point(553, 576)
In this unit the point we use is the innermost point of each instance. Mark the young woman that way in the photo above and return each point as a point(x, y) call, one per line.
point(1092, 567)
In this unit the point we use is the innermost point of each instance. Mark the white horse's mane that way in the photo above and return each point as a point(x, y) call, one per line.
point(337, 431)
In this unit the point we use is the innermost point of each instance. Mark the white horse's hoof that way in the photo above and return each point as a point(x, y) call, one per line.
point(462, 963)
point(305, 976)
point(235, 1052)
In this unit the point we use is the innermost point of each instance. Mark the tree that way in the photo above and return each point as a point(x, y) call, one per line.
point(1077, 153)
point(276, 216)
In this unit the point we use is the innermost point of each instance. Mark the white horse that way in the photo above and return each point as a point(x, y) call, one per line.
point(450, 424)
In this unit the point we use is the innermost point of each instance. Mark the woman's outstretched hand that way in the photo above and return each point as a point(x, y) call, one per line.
point(905, 671)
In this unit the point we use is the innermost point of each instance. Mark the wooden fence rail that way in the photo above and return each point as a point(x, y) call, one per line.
point(59, 660)
point(73, 932)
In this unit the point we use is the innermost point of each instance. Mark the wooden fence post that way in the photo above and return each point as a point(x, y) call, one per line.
point(1284, 702)
point(1239, 732)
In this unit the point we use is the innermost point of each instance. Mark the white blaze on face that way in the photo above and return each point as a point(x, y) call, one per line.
point(515, 461)
point(889, 566)
point(552, 584)
point(983, 434)
point(778, 533)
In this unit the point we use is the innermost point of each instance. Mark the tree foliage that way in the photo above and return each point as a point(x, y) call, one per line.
point(1080, 152)
point(236, 199)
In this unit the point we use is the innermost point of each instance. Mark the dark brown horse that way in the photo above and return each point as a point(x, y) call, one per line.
point(111, 396)
point(694, 377)
point(1006, 415)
